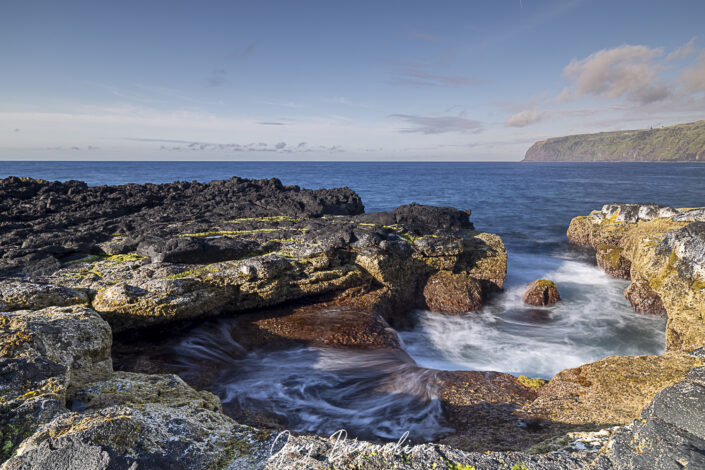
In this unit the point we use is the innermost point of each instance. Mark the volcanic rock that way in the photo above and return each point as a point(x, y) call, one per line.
point(540, 293)
point(643, 298)
point(666, 250)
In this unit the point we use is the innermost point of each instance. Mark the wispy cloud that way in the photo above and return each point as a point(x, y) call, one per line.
point(693, 78)
point(242, 52)
point(684, 51)
point(415, 77)
point(348, 102)
point(285, 104)
point(217, 78)
point(438, 124)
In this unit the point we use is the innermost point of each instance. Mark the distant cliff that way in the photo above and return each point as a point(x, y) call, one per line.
point(680, 143)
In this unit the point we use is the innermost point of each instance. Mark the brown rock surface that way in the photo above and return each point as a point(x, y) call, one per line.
point(541, 292)
point(315, 325)
point(447, 292)
point(643, 298)
point(483, 408)
point(610, 259)
point(611, 391)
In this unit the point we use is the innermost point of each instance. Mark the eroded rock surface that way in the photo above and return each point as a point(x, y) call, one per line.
point(665, 251)
point(541, 293)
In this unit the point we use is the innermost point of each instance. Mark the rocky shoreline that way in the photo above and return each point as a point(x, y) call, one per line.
point(96, 281)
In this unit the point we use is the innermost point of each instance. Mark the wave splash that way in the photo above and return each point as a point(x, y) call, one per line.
point(591, 322)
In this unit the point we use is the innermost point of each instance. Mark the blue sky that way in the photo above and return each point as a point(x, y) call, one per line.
point(309, 80)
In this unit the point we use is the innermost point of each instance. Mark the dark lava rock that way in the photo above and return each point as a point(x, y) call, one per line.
point(45, 222)
point(196, 250)
point(671, 433)
point(540, 293)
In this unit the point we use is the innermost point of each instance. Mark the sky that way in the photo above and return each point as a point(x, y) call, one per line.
point(334, 80)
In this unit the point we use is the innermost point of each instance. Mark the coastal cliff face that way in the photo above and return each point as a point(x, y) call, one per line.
point(664, 249)
point(285, 266)
point(680, 143)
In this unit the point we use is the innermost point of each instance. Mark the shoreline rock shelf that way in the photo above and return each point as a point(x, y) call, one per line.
point(664, 249)
point(291, 266)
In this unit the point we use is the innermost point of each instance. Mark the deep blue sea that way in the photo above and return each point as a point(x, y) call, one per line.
point(529, 204)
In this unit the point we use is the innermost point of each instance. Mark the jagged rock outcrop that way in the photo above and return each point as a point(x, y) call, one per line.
point(665, 251)
point(680, 143)
point(154, 254)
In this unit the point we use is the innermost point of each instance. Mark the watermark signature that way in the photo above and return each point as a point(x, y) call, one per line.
point(342, 448)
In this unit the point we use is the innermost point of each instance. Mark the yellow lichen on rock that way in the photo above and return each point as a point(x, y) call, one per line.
point(640, 244)
point(611, 391)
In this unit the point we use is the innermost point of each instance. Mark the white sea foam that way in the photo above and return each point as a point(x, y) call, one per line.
point(593, 321)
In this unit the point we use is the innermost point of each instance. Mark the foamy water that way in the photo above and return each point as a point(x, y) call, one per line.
point(592, 321)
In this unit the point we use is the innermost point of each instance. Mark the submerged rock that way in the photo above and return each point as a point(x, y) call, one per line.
point(315, 325)
point(540, 293)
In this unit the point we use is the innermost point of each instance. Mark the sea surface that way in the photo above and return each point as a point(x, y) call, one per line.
point(529, 204)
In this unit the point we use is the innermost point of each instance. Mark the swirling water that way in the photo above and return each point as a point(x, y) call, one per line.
point(376, 394)
point(529, 205)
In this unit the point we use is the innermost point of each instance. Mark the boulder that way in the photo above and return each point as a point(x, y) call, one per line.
point(446, 292)
point(541, 293)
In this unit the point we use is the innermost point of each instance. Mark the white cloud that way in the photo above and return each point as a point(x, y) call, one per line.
point(525, 118)
point(627, 70)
